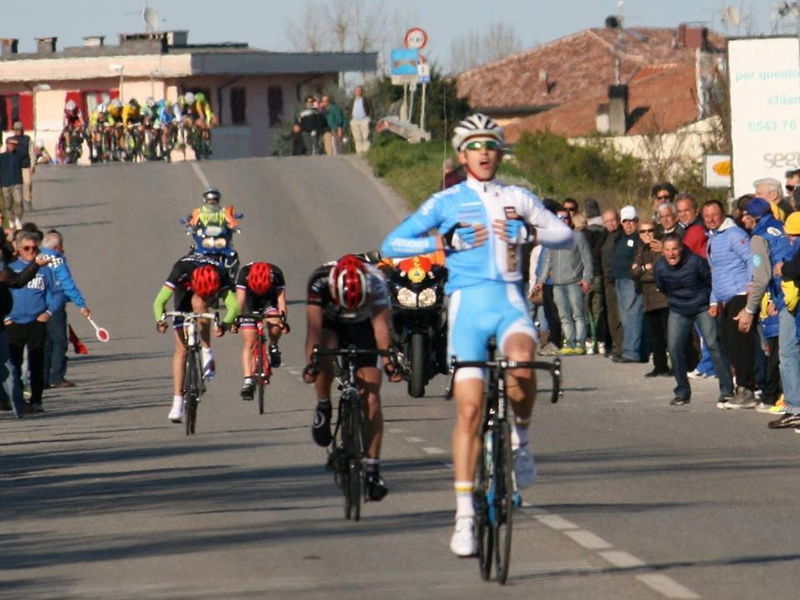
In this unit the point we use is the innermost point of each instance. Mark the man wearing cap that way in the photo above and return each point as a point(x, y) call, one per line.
point(631, 302)
point(770, 246)
point(11, 182)
point(27, 155)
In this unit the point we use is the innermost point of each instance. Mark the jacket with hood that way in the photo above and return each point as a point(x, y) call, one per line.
point(570, 265)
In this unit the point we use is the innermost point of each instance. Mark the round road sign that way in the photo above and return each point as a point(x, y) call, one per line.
point(416, 38)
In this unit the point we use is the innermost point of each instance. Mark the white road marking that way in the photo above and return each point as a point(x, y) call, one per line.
point(395, 431)
point(667, 586)
point(434, 451)
point(556, 522)
point(588, 540)
point(414, 440)
point(621, 559)
point(295, 372)
point(200, 175)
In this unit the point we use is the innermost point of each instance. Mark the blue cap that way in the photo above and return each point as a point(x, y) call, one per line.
point(758, 207)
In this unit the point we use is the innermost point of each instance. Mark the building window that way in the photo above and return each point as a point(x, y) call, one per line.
point(275, 101)
point(16, 107)
point(238, 106)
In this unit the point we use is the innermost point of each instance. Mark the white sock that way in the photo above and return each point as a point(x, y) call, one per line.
point(464, 504)
point(522, 434)
point(177, 398)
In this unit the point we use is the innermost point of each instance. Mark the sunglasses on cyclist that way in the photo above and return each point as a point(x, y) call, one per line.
point(479, 145)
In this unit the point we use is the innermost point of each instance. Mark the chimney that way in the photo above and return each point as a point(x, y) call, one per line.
point(8, 46)
point(682, 35)
point(697, 38)
point(94, 41)
point(178, 39)
point(46, 45)
point(543, 86)
point(617, 109)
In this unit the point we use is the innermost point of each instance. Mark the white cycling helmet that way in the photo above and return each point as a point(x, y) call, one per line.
point(476, 127)
point(71, 105)
point(117, 102)
point(151, 102)
point(101, 108)
point(189, 97)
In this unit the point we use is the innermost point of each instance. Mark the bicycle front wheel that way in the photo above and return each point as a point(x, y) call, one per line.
point(483, 495)
point(258, 371)
point(192, 390)
point(503, 500)
point(356, 465)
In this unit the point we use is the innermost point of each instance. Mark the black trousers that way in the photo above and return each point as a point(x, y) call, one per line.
point(551, 313)
point(739, 347)
point(30, 335)
point(657, 323)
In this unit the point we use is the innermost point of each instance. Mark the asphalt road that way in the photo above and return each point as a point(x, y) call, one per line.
point(102, 498)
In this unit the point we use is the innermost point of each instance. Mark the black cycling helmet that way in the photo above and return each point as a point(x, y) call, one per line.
point(211, 194)
point(133, 102)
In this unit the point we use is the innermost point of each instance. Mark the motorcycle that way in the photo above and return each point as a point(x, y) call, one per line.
point(419, 320)
point(215, 241)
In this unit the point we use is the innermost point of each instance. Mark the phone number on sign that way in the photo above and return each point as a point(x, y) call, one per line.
point(773, 125)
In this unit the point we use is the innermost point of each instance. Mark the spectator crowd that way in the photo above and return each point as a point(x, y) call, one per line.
point(700, 292)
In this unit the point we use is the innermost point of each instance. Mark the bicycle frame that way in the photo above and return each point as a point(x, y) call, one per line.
point(262, 369)
point(193, 384)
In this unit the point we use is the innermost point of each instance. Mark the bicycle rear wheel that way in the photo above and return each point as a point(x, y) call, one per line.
point(503, 500)
point(483, 508)
point(345, 473)
point(259, 374)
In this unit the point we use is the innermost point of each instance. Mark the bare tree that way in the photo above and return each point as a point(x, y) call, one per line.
point(475, 48)
point(310, 33)
point(339, 25)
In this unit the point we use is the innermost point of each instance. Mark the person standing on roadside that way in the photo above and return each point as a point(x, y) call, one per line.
point(629, 296)
point(360, 113)
point(33, 307)
point(595, 298)
point(613, 341)
point(332, 139)
point(730, 259)
point(11, 182)
point(28, 162)
point(55, 348)
point(685, 279)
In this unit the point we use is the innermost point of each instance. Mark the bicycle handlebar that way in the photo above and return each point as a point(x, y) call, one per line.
point(503, 364)
point(193, 315)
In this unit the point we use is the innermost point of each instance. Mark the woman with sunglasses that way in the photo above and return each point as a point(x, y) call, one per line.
point(482, 226)
point(656, 307)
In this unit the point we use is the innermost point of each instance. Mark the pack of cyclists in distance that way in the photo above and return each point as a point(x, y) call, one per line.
point(165, 123)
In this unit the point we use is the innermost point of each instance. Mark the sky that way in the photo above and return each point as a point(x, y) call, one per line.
point(264, 23)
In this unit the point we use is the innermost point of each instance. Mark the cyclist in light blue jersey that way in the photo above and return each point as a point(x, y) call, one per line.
point(482, 226)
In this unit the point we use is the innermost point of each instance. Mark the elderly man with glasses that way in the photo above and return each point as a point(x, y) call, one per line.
point(772, 191)
point(26, 324)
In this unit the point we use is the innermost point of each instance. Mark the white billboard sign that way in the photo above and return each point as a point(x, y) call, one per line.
point(765, 109)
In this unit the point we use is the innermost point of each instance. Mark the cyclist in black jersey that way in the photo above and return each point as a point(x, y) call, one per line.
point(196, 282)
point(260, 286)
point(348, 303)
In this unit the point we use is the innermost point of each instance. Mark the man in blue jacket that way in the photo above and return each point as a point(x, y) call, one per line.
point(55, 347)
point(685, 279)
point(26, 323)
point(730, 259)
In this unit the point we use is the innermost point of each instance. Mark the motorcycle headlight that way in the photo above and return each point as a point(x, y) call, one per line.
point(220, 242)
point(207, 242)
point(406, 297)
point(427, 297)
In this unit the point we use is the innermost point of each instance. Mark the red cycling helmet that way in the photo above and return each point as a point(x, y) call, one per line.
point(205, 281)
point(348, 282)
point(259, 279)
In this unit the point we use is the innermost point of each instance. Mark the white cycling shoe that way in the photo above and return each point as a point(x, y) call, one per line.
point(524, 467)
point(176, 414)
point(464, 543)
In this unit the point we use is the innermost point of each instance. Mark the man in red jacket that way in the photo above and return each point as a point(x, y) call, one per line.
point(694, 232)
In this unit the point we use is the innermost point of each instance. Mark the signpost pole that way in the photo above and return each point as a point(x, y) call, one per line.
point(422, 108)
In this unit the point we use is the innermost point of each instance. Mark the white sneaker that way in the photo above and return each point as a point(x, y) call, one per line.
point(601, 348)
point(176, 414)
point(696, 374)
point(209, 366)
point(464, 543)
point(524, 467)
point(589, 348)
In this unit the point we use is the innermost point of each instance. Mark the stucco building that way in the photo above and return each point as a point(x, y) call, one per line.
point(253, 92)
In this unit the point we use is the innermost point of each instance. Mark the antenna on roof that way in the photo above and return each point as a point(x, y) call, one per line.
point(150, 18)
